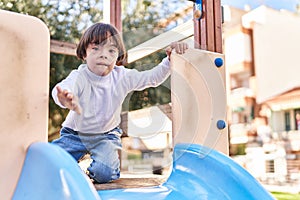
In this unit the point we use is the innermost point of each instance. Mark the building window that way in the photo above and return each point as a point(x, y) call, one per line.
point(297, 119)
point(270, 167)
point(287, 121)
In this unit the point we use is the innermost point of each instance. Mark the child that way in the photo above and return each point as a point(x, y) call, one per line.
point(94, 93)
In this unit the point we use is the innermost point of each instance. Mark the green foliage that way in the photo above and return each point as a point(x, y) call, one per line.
point(149, 96)
point(140, 25)
point(285, 196)
point(237, 149)
point(29, 7)
point(134, 156)
point(60, 67)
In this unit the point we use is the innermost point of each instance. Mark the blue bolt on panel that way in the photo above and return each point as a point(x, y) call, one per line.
point(219, 62)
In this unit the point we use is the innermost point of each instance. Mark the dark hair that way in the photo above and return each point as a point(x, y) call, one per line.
point(99, 33)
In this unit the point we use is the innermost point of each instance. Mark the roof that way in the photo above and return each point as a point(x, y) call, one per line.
point(287, 100)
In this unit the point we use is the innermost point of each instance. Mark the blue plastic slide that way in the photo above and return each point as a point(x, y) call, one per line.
point(51, 173)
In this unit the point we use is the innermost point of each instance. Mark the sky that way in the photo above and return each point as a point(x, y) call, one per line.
point(275, 4)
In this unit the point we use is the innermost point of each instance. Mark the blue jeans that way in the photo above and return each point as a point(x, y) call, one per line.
point(103, 149)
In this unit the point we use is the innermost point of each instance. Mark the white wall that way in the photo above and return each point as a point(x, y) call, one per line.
point(237, 49)
point(277, 121)
point(276, 50)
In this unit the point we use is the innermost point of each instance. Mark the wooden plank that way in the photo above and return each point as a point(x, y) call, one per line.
point(124, 183)
point(202, 28)
point(115, 14)
point(60, 47)
point(197, 37)
point(218, 26)
point(207, 30)
point(112, 12)
point(210, 25)
point(161, 41)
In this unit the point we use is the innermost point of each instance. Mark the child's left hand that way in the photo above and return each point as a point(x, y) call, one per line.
point(179, 47)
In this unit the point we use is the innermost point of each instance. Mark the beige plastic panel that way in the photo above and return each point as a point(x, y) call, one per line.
point(24, 74)
point(199, 99)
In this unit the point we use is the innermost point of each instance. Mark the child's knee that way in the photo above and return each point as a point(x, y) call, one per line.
point(103, 173)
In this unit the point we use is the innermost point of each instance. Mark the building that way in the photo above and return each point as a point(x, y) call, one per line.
point(149, 145)
point(261, 48)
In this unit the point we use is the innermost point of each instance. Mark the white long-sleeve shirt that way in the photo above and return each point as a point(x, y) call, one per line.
point(101, 97)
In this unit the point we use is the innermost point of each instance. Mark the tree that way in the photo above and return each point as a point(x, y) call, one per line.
point(140, 24)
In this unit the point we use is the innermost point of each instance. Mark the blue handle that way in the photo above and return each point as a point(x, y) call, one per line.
point(198, 9)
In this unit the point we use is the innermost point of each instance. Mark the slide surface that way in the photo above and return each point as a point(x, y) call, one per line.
point(51, 173)
point(197, 176)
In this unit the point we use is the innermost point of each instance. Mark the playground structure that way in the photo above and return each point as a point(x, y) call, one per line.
point(35, 169)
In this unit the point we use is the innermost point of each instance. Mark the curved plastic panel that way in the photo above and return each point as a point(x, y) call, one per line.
point(51, 173)
point(24, 86)
point(199, 99)
point(214, 176)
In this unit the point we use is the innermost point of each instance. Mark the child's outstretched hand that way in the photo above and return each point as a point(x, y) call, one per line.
point(68, 100)
point(179, 48)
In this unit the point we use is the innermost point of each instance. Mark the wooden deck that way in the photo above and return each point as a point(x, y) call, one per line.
point(127, 180)
point(124, 183)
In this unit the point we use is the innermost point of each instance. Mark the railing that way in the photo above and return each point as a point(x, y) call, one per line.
point(276, 163)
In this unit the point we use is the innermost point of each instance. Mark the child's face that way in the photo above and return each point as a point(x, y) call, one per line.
point(101, 58)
